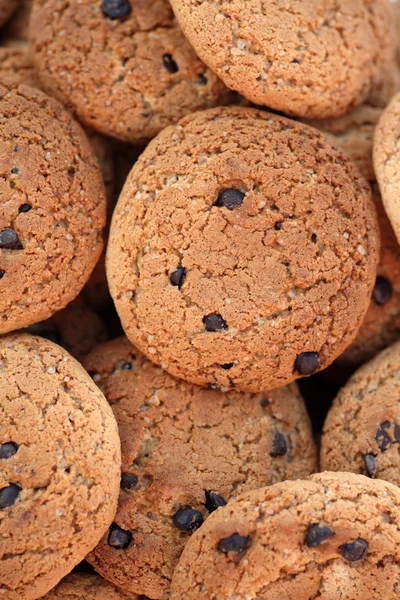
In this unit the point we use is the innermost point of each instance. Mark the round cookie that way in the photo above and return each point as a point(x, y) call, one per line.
point(185, 452)
point(317, 61)
point(134, 74)
point(84, 586)
point(362, 429)
point(59, 465)
point(7, 7)
point(335, 535)
point(247, 239)
point(52, 207)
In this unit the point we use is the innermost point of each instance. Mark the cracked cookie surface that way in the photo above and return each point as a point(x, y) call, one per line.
point(247, 239)
point(185, 451)
point(127, 73)
point(333, 535)
point(59, 465)
point(84, 586)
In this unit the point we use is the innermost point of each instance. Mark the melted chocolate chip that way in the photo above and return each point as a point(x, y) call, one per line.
point(354, 551)
point(128, 482)
point(382, 292)
point(278, 226)
point(9, 495)
point(202, 79)
point(188, 519)
point(178, 276)
point(214, 322)
point(169, 63)
point(7, 450)
point(295, 61)
point(15, 171)
point(115, 9)
point(2, 273)
point(259, 78)
point(307, 363)
point(234, 543)
point(279, 446)
point(370, 464)
point(213, 386)
point(230, 198)
point(314, 238)
point(227, 366)
point(214, 501)
point(119, 538)
point(25, 207)
point(9, 239)
point(382, 437)
point(317, 535)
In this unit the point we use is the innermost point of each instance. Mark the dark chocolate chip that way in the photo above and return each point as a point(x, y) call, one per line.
point(116, 9)
point(382, 292)
point(214, 501)
point(128, 482)
point(259, 78)
point(278, 226)
point(296, 61)
point(119, 538)
point(123, 365)
point(279, 446)
point(2, 273)
point(230, 198)
point(202, 79)
point(397, 433)
point(314, 238)
point(188, 519)
point(9, 495)
point(307, 363)
point(178, 276)
point(227, 366)
point(25, 207)
point(213, 386)
point(15, 171)
point(317, 535)
point(71, 171)
point(214, 322)
point(234, 543)
point(169, 63)
point(9, 239)
point(382, 437)
point(370, 464)
point(354, 551)
point(7, 450)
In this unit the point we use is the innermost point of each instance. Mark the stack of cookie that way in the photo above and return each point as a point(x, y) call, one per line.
point(199, 206)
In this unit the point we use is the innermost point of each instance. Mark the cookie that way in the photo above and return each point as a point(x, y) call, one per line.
point(18, 26)
point(7, 7)
point(135, 74)
point(52, 207)
point(335, 535)
point(83, 586)
point(59, 465)
point(319, 60)
point(362, 429)
point(247, 239)
point(185, 452)
point(15, 62)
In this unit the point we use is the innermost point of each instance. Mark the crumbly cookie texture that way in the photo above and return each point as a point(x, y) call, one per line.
point(7, 7)
point(362, 430)
point(333, 535)
point(59, 465)
point(185, 452)
point(15, 62)
point(84, 586)
point(314, 60)
point(53, 207)
point(125, 68)
point(247, 239)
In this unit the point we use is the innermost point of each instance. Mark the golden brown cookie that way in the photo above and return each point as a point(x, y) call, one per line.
point(7, 7)
point(52, 207)
point(318, 60)
point(247, 239)
point(85, 586)
point(336, 535)
point(362, 430)
point(124, 67)
point(185, 452)
point(59, 465)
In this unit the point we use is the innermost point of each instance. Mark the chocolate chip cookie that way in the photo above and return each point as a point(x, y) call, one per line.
point(53, 207)
point(84, 586)
point(125, 68)
point(320, 59)
point(335, 535)
point(247, 239)
point(185, 452)
point(59, 465)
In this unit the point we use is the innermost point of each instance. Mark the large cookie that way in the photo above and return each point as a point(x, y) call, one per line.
point(59, 465)
point(185, 452)
point(247, 239)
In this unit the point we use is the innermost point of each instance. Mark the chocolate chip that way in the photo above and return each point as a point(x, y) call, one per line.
point(234, 543)
point(382, 437)
point(2, 273)
point(259, 78)
point(317, 535)
point(382, 292)
point(397, 433)
point(128, 482)
point(213, 386)
point(123, 365)
point(214, 322)
point(119, 538)
point(178, 276)
point(71, 171)
point(15, 171)
point(279, 446)
point(169, 63)
point(9, 239)
point(295, 61)
point(354, 551)
point(307, 363)
point(214, 501)
point(9, 495)
point(278, 226)
point(370, 464)
point(188, 519)
point(202, 79)
point(230, 198)
point(115, 9)
point(7, 450)
point(227, 366)
point(25, 207)
point(314, 238)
